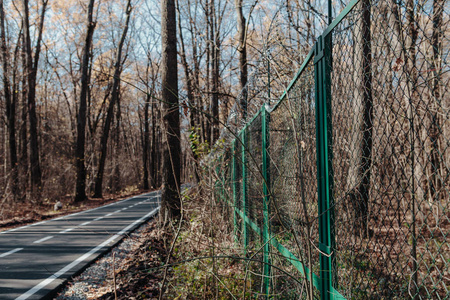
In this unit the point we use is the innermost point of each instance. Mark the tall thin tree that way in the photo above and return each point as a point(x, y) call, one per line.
point(242, 49)
point(361, 152)
point(146, 142)
point(31, 68)
point(170, 202)
point(80, 192)
point(214, 52)
point(114, 99)
point(189, 89)
point(10, 104)
point(23, 145)
point(435, 130)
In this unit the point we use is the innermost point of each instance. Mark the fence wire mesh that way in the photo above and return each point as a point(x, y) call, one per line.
point(388, 141)
point(224, 190)
point(390, 114)
point(292, 155)
point(253, 158)
point(254, 199)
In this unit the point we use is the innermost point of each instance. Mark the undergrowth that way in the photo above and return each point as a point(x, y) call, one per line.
point(207, 264)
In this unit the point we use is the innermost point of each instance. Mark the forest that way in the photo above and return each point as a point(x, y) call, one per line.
point(81, 86)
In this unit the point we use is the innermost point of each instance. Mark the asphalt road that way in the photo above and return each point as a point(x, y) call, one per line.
point(36, 259)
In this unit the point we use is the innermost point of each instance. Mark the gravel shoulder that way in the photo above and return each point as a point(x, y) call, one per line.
point(133, 264)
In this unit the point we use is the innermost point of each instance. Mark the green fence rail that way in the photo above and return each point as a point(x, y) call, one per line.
point(344, 183)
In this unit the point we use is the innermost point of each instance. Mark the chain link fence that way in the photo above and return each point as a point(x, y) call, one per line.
point(342, 189)
point(390, 115)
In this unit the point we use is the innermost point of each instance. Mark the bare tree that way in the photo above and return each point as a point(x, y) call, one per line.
point(361, 149)
point(242, 48)
point(31, 69)
point(146, 143)
point(189, 79)
point(80, 192)
point(435, 126)
point(242, 24)
point(112, 103)
point(214, 24)
point(23, 147)
point(10, 99)
point(170, 200)
point(11, 102)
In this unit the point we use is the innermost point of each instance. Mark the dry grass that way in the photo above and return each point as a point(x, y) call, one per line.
point(206, 260)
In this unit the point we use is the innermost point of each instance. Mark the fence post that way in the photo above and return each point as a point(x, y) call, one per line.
point(244, 187)
point(322, 72)
point(265, 168)
point(234, 183)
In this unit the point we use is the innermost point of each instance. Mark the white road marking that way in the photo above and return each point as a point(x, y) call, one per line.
point(11, 252)
point(117, 211)
point(99, 218)
point(14, 229)
point(50, 279)
point(110, 214)
point(85, 223)
point(43, 239)
point(38, 223)
point(67, 230)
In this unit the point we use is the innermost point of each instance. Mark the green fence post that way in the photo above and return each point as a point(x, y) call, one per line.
point(235, 183)
point(244, 187)
point(265, 168)
point(322, 59)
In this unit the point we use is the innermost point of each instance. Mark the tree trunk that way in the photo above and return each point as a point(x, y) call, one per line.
point(23, 127)
point(197, 117)
point(215, 74)
point(153, 153)
point(117, 186)
point(80, 192)
point(435, 129)
point(146, 143)
point(114, 98)
point(170, 200)
point(10, 105)
point(32, 66)
point(414, 135)
point(242, 49)
point(361, 151)
point(15, 101)
point(190, 94)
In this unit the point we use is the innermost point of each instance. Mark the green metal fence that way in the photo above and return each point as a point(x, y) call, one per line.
point(341, 190)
